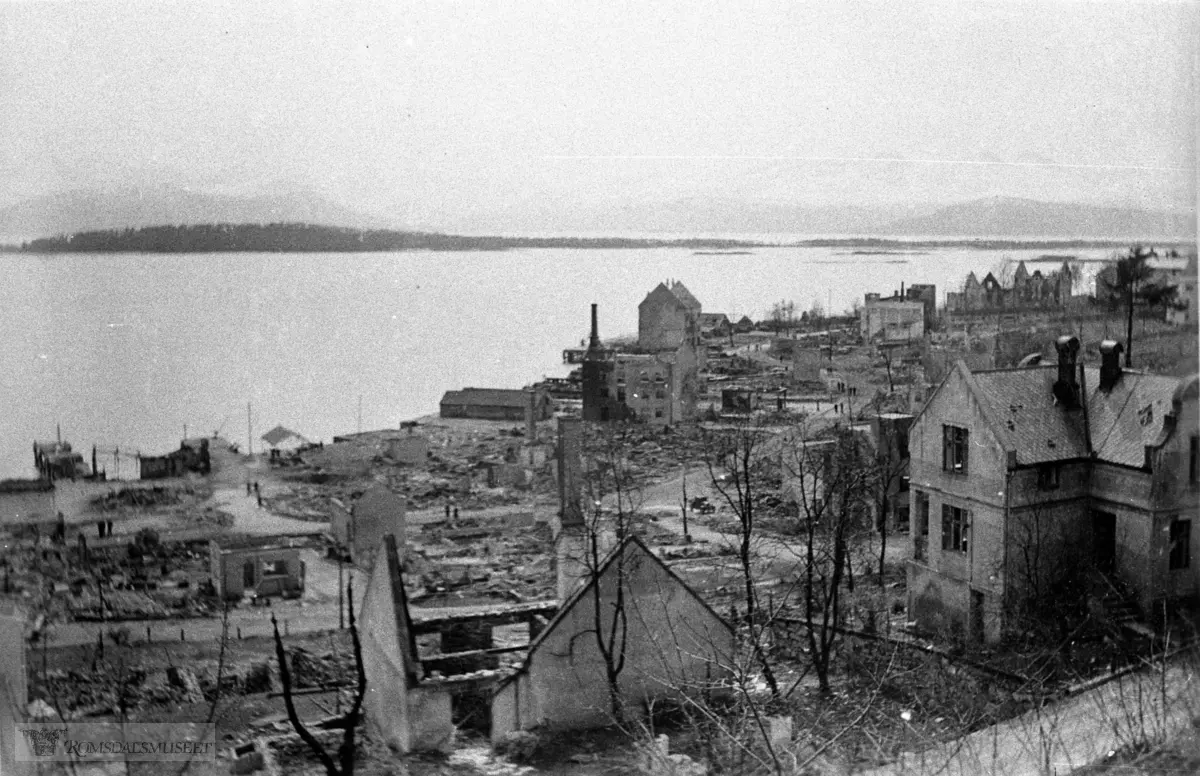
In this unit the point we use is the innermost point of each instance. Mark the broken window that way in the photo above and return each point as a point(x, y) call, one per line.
point(954, 449)
point(954, 529)
point(275, 568)
point(1181, 541)
point(1047, 476)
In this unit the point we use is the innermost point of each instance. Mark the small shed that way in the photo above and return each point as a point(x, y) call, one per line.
point(283, 440)
point(264, 566)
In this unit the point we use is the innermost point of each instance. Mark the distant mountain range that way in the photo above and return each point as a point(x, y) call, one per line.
point(1013, 217)
point(995, 217)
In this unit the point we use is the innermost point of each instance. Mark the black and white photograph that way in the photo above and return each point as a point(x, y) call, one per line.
point(462, 388)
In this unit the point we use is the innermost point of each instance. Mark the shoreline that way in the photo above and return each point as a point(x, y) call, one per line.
point(304, 238)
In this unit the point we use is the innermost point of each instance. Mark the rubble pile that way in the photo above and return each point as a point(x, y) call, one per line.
point(503, 558)
point(141, 497)
point(115, 689)
point(310, 670)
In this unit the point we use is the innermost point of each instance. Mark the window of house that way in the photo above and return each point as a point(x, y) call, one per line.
point(660, 394)
point(954, 529)
point(658, 413)
point(620, 394)
point(1194, 460)
point(954, 449)
point(902, 443)
point(1047, 476)
point(275, 568)
point(904, 484)
point(1181, 541)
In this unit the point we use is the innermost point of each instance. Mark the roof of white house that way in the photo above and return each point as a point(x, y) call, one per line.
point(278, 434)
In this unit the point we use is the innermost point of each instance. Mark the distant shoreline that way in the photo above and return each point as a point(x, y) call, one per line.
point(304, 238)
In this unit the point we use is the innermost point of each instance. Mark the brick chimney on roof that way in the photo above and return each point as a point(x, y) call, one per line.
point(1066, 387)
point(1110, 364)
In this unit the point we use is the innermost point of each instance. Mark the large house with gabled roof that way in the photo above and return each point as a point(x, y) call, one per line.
point(1021, 476)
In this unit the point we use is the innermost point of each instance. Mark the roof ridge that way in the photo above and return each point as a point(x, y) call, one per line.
point(1051, 365)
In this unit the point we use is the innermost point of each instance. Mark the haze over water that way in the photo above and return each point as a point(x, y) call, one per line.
point(123, 350)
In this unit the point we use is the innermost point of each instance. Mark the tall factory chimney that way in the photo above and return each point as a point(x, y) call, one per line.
point(594, 342)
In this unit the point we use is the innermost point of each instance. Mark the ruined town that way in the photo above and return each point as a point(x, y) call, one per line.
point(933, 534)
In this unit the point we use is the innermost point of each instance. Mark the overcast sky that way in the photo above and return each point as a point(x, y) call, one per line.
point(449, 106)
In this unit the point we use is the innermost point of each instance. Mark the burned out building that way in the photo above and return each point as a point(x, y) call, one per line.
point(358, 526)
point(262, 566)
point(56, 460)
point(669, 318)
point(891, 319)
point(192, 456)
point(416, 699)
point(673, 642)
point(600, 403)
point(658, 387)
point(1026, 292)
point(1024, 478)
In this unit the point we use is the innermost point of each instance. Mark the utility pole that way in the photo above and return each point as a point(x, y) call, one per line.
point(341, 595)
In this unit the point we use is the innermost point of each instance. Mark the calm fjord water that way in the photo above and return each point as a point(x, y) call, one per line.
point(123, 350)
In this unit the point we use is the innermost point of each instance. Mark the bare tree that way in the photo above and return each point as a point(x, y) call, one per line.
point(613, 495)
point(816, 313)
point(886, 352)
point(736, 461)
point(830, 485)
point(885, 477)
point(344, 764)
point(783, 315)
